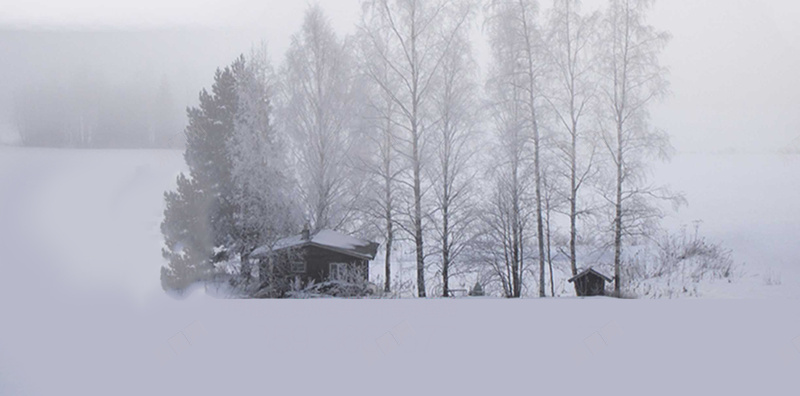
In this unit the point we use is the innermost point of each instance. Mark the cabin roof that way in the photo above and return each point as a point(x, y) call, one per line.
point(324, 239)
point(588, 271)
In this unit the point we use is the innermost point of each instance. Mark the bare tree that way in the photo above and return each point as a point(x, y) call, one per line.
point(517, 42)
point(455, 106)
point(318, 111)
point(632, 79)
point(505, 218)
point(382, 166)
point(553, 199)
point(418, 42)
point(571, 36)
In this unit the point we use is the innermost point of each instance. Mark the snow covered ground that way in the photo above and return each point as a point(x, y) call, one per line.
point(82, 311)
point(751, 204)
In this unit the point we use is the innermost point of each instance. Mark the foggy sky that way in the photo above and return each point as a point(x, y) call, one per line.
point(734, 63)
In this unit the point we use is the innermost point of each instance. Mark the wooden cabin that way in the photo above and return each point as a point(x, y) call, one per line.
point(590, 283)
point(321, 256)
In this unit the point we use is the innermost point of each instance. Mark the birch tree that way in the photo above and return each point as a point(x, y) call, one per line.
point(571, 39)
point(418, 41)
point(505, 217)
point(633, 78)
point(455, 106)
point(318, 112)
point(516, 41)
point(383, 166)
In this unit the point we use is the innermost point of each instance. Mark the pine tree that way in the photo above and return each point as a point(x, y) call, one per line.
point(236, 197)
point(187, 236)
point(199, 214)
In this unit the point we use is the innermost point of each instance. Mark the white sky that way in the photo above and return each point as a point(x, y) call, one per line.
point(734, 63)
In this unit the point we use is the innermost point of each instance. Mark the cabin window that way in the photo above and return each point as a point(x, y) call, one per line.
point(298, 267)
point(338, 271)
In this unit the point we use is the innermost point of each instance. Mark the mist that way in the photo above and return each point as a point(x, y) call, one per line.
point(732, 64)
point(108, 88)
point(399, 197)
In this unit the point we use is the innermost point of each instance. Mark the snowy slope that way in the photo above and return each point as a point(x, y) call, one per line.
point(82, 312)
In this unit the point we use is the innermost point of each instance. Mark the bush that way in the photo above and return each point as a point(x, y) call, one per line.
point(675, 265)
point(333, 288)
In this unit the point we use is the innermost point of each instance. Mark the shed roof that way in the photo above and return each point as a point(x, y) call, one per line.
point(325, 239)
point(588, 271)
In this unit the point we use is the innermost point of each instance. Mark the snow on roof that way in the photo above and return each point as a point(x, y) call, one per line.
point(328, 239)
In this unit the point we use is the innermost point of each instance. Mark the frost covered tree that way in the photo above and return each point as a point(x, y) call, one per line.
point(632, 79)
point(317, 110)
point(519, 67)
point(188, 235)
point(383, 167)
point(262, 183)
point(452, 171)
point(505, 216)
point(199, 214)
point(571, 39)
point(419, 34)
point(236, 195)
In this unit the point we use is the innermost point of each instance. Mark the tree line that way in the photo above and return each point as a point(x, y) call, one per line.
point(89, 112)
point(393, 134)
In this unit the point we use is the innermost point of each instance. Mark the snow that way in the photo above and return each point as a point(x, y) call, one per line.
point(748, 202)
point(328, 238)
point(82, 311)
point(337, 240)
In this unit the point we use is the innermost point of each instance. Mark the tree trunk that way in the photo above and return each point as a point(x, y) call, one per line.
point(573, 231)
point(418, 217)
point(387, 169)
point(515, 233)
point(618, 215)
point(549, 256)
point(445, 247)
point(536, 148)
point(387, 263)
point(539, 220)
point(445, 267)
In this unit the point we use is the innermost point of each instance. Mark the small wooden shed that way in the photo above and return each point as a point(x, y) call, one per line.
point(590, 283)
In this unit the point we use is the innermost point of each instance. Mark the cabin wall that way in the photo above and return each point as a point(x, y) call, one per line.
point(590, 285)
point(318, 262)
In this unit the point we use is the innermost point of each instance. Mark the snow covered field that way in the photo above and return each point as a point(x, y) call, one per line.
point(82, 311)
point(751, 204)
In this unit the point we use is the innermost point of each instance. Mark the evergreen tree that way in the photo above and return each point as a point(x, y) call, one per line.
point(187, 236)
point(236, 197)
point(199, 214)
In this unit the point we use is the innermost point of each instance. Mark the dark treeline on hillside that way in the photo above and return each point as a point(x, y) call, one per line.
point(87, 113)
point(107, 89)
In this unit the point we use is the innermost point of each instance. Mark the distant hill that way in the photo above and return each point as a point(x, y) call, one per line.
point(112, 88)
